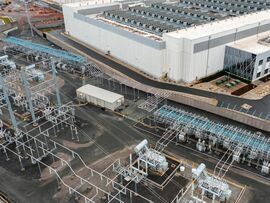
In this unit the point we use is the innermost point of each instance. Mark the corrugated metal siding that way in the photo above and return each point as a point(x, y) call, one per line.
point(229, 38)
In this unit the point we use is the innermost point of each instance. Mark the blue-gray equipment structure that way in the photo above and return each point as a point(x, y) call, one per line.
point(255, 145)
point(45, 49)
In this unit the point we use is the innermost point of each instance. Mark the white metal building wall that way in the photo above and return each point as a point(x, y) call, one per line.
point(147, 59)
point(184, 64)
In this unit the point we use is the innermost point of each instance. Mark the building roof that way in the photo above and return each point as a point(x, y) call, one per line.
point(222, 26)
point(86, 4)
point(159, 18)
point(100, 93)
point(250, 45)
point(190, 19)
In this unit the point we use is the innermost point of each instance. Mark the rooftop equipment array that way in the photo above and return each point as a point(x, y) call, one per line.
point(168, 16)
point(230, 6)
point(160, 18)
point(139, 21)
point(189, 12)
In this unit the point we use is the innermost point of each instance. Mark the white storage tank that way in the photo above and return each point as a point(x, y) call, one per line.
point(100, 97)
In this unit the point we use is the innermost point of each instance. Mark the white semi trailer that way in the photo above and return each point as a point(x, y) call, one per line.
point(99, 97)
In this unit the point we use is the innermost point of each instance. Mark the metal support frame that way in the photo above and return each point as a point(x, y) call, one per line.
point(157, 96)
point(59, 103)
point(235, 136)
point(45, 49)
point(28, 94)
point(10, 110)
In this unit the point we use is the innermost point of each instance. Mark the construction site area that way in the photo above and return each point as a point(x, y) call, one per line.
point(76, 130)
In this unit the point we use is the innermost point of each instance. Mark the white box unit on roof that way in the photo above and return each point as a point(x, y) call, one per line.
point(99, 97)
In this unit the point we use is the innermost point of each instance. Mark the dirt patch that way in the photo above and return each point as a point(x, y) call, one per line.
point(73, 145)
point(46, 173)
point(101, 164)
